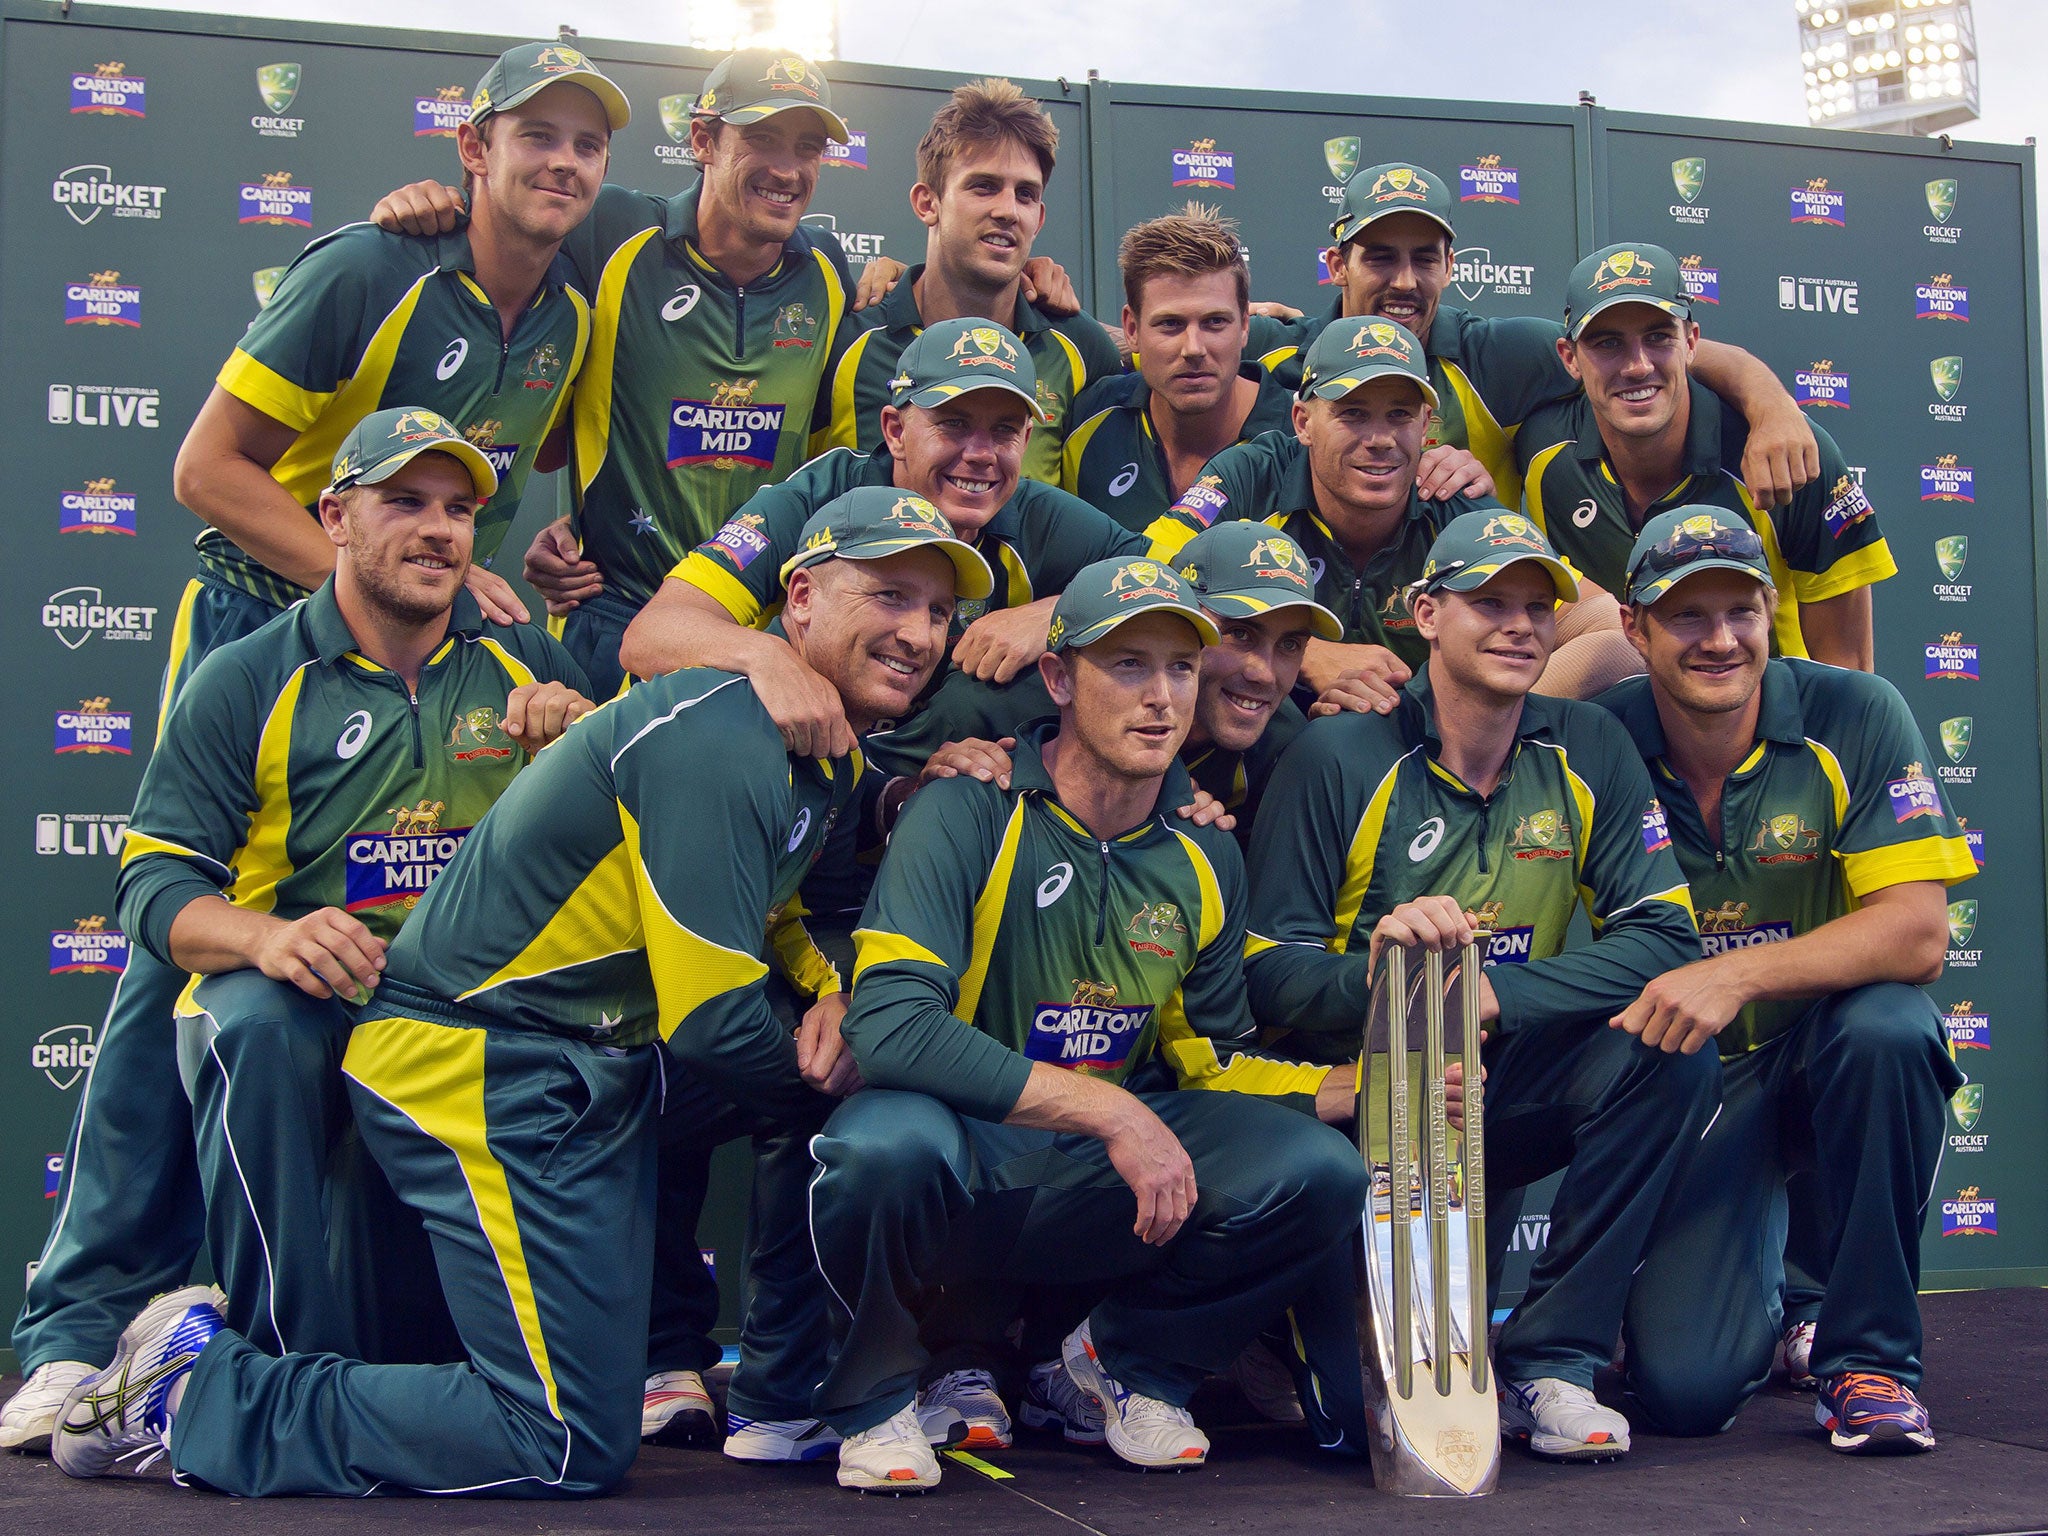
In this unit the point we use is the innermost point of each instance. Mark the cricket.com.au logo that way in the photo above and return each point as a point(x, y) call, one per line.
point(76, 614)
point(1689, 176)
point(278, 86)
point(1947, 376)
point(87, 191)
point(63, 1055)
point(860, 248)
point(1476, 275)
point(1962, 930)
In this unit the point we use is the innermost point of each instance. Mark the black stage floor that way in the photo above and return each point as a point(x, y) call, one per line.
point(1987, 1386)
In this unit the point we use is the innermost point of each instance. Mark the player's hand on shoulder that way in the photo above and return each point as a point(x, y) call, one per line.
point(326, 953)
point(1047, 285)
point(806, 709)
point(538, 713)
point(1273, 309)
point(1205, 810)
point(421, 208)
point(494, 595)
point(999, 645)
point(1363, 679)
point(556, 569)
point(877, 278)
point(988, 761)
point(1446, 471)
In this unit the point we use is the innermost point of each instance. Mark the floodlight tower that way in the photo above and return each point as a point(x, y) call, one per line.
point(1891, 66)
point(807, 27)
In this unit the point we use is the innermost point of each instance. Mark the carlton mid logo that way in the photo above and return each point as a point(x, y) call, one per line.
point(1970, 1214)
point(1941, 202)
point(98, 508)
point(274, 200)
point(483, 436)
point(63, 1054)
point(1947, 374)
point(395, 868)
point(850, 156)
point(76, 614)
point(1946, 480)
point(439, 115)
point(95, 727)
point(1968, 1030)
point(86, 191)
point(109, 91)
point(1949, 659)
point(725, 431)
point(1202, 164)
point(88, 948)
point(1489, 182)
point(1702, 282)
point(1822, 384)
point(1727, 927)
point(1689, 176)
point(1815, 203)
point(1940, 299)
point(1912, 795)
point(103, 299)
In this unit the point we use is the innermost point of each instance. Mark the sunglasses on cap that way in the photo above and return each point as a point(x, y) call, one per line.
point(1681, 547)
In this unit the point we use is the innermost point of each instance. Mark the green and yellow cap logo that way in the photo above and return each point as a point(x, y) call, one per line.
point(955, 356)
point(1110, 593)
point(1350, 352)
point(1477, 546)
point(1948, 376)
point(1242, 568)
point(1689, 176)
point(1380, 191)
point(872, 522)
point(754, 83)
point(1630, 273)
point(525, 71)
point(384, 442)
point(278, 85)
point(1941, 198)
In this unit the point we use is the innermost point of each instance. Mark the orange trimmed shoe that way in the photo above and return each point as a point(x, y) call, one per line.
point(1142, 1430)
point(892, 1457)
point(1866, 1414)
point(1561, 1421)
point(972, 1394)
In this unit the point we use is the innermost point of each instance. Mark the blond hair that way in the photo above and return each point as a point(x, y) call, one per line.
point(984, 112)
point(1192, 242)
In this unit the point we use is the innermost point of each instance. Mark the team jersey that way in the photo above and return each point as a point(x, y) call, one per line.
point(1068, 353)
point(1490, 374)
point(698, 391)
point(1269, 478)
point(623, 889)
point(1825, 543)
point(1361, 815)
point(1113, 459)
point(1239, 779)
point(1002, 932)
point(1834, 801)
point(295, 773)
point(364, 320)
point(1034, 545)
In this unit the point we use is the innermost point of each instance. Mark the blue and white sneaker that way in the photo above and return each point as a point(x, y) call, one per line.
point(1866, 1414)
point(1561, 1421)
point(783, 1440)
point(1052, 1401)
point(126, 1409)
point(1142, 1430)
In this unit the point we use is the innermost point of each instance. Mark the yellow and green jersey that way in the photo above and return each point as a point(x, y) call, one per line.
point(1269, 479)
point(1491, 373)
point(365, 320)
point(296, 774)
point(1362, 815)
point(1001, 932)
point(1113, 458)
point(1824, 543)
point(1068, 353)
point(622, 890)
point(1835, 800)
point(698, 391)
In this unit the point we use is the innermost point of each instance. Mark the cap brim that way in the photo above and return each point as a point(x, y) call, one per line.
point(617, 110)
point(1352, 378)
point(1102, 629)
point(483, 476)
point(1349, 228)
point(1246, 605)
point(938, 394)
point(971, 576)
point(1473, 577)
point(835, 125)
point(1651, 591)
point(1668, 306)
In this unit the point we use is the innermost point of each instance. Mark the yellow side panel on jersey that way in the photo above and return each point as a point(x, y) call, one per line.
point(181, 647)
point(844, 431)
point(593, 406)
point(988, 916)
point(689, 970)
point(1489, 442)
point(263, 861)
point(1532, 489)
point(1359, 860)
point(600, 918)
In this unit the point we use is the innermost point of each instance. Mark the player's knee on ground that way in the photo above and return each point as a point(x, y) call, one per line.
point(1675, 1388)
point(883, 1148)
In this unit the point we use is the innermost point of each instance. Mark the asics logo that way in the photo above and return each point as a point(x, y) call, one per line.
point(1426, 840)
point(355, 730)
point(803, 825)
point(684, 301)
point(1125, 480)
point(1584, 513)
point(1055, 883)
point(458, 349)
point(1315, 573)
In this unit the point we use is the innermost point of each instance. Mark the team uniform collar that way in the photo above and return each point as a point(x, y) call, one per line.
point(1702, 452)
point(1780, 717)
point(682, 226)
point(1028, 775)
point(332, 638)
point(1534, 722)
point(453, 253)
point(900, 313)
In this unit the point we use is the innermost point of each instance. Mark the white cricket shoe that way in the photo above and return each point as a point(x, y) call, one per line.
point(1793, 1359)
point(125, 1410)
point(676, 1408)
point(892, 1457)
point(27, 1418)
point(809, 1439)
point(972, 1394)
point(1142, 1430)
point(1561, 1420)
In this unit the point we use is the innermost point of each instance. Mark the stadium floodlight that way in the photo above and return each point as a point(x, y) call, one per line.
point(1890, 66)
point(807, 27)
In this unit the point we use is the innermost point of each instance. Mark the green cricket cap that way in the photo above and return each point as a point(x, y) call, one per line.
point(956, 356)
point(1631, 273)
point(1352, 351)
point(1242, 568)
point(531, 68)
point(1687, 540)
point(754, 83)
point(384, 442)
point(872, 522)
point(1477, 546)
point(1380, 191)
point(1111, 592)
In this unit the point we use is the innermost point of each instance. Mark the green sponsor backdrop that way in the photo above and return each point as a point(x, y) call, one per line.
point(163, 120)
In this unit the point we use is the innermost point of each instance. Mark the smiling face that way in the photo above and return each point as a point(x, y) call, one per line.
point(536, 167)
point(403, 544)
point(1363, 449)
point(1189, 337)
point(1246, 674)
point(1397, 268)
point(964, 456)
point(758, 177)
point(1633, 360)
point(873, 629)
point(984, 219)
point(1495, 640)
point(1706, 640)
point(1126, 701)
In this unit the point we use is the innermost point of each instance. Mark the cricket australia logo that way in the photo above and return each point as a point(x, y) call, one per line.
point(1544, 835)
point(1152, 926)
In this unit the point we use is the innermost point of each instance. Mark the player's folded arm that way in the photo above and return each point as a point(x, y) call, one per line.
point(305, 344)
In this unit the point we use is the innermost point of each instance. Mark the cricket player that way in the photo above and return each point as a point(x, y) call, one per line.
point(1818, 847)
point(480, 328)
point(1479, 797)
point(1025, 952)
point(1646, 436)
point(597, 932)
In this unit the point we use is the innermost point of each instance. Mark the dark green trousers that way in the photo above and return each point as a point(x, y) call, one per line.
point(592, 634)
point(910, 1195)
point(531, 1160)
point(1853, 1091)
